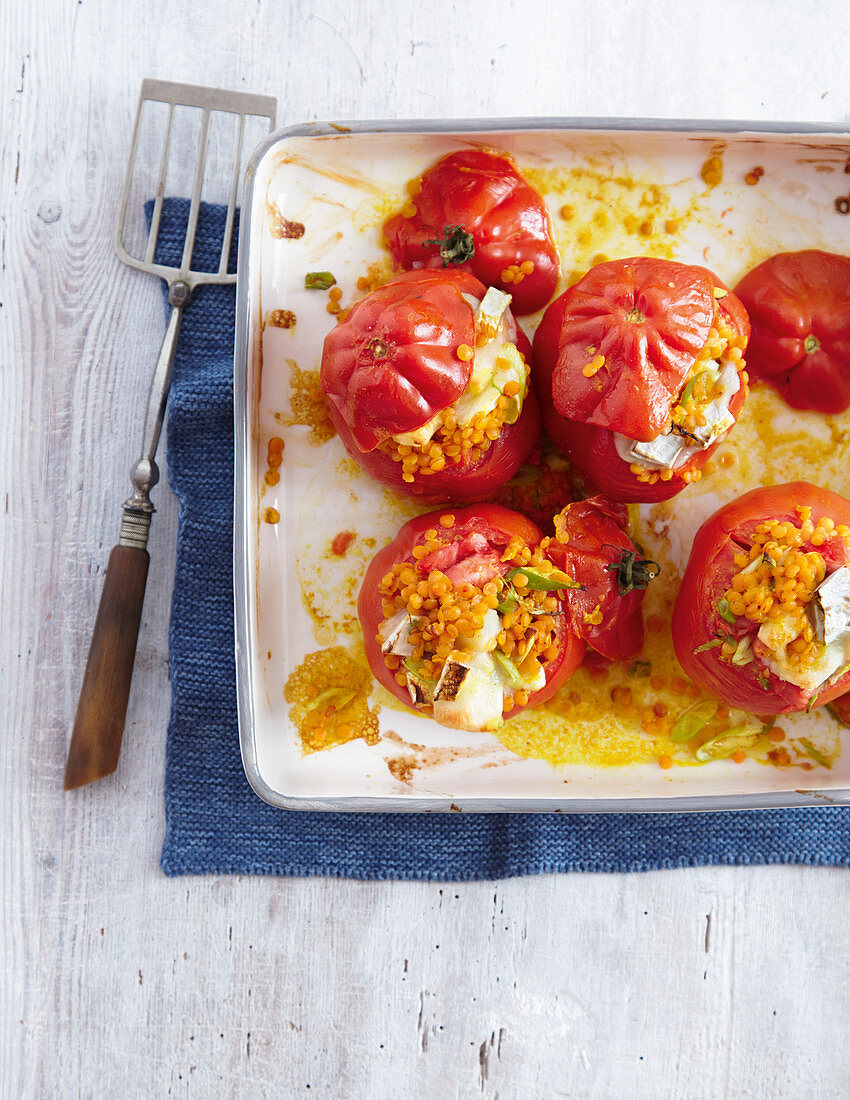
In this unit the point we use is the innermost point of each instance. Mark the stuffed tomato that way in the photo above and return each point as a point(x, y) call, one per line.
point(762, 618)
point(472, 615)
point(640, 372)
point(462, 617)
point(800, 343)
point(474, 209)
point(428, 387)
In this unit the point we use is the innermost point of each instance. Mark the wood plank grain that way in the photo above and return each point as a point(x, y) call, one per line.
point(116, 981)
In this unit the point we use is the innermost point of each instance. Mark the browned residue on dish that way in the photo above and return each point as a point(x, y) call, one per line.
point(281, 318)
point(280, 227)
point(351, 178)
point(308, 404)
point(328, 698)
point(412, 757)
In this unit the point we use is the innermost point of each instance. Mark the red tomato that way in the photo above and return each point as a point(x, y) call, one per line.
point(840, 709)
point(540, 488)
point(480, 194)
point(697, 618)
point(594, 550)
point(393, 364)
point(646, 364)
point(800, 344)
point(478, 536)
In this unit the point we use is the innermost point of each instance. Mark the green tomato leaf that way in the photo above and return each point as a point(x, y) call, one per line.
point(633, 572)
point(456, 245)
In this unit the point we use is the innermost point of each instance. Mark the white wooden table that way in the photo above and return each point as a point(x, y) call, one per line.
point(115, 981)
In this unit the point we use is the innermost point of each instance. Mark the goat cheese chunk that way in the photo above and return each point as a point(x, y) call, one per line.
point(831, 606)
point(469, 694)
point(671, 450)
point(777, 635)
point(395, 633)
point(665, 452)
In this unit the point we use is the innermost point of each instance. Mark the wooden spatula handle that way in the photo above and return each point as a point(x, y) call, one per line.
point(102, 707)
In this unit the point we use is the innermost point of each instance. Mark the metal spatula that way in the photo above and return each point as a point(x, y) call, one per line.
point(102, 707)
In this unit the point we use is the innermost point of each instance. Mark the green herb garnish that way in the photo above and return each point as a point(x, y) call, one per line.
point(512, 673)
point(692, 720)
point(336, 697)
point(414, 667)
point(319, 280)
point(641, 669)
point(725, 611)
point(689, 388)
point(536, 582)
point(731, 740)
point(815, 753)
point(712, 644)
point(509, 600)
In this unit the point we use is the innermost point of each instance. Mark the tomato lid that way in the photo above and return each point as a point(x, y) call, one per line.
point(630, 333)
point(392, 364)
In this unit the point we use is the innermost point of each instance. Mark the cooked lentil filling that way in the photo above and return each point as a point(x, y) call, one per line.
point(452, 442)
point(700, 389)
point(778, 577)
point(445, 612)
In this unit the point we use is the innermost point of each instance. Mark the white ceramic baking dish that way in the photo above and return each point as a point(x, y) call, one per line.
point(339, 181)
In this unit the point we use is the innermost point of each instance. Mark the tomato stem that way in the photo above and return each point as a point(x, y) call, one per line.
point(378, 348)
point(633, 572)
point(456, 245)
point(811, 343)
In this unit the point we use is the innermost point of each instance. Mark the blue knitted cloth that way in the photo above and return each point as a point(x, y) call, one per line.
point(215, 823)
